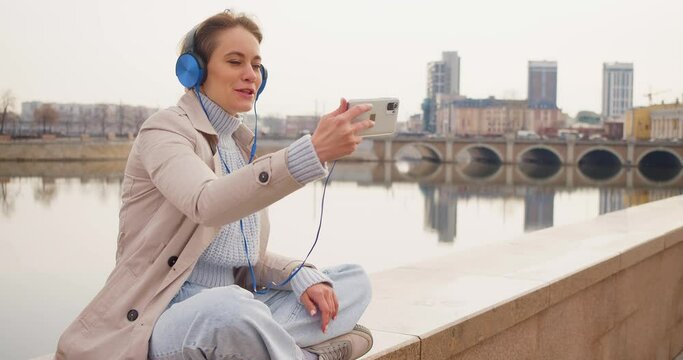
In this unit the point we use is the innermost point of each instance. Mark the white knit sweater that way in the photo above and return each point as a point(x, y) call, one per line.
point(226, 251)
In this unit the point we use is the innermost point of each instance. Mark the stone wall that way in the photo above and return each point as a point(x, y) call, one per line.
point(607, 288)
point(636, 313)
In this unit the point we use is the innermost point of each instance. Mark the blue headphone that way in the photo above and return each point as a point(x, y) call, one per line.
point(191, 70)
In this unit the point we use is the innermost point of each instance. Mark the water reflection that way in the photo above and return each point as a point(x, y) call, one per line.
point(479, 170)
point(51, 177)
point(441, 210)
point(538, 208)
point(600, 172)
point(659, 174)
point(443, 185)
point(418, 169)
point(7, 197)
point(539, 171)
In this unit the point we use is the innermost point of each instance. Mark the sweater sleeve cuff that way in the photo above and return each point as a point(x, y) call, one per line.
point(306, 278)
point(303, 162)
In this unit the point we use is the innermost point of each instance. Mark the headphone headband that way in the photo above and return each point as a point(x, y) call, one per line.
point(188, 42)
point(191, 70)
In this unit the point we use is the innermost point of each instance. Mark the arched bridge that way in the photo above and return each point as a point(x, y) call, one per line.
point(524, 151)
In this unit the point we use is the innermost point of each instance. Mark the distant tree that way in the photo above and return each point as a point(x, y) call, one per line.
point(46, 114)
point(120, 115)
point(83, 119)
point(12, 119)
point(68, 124)
point(7, 103)
point(101, 115)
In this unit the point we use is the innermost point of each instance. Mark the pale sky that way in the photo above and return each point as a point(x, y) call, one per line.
point(91, 51)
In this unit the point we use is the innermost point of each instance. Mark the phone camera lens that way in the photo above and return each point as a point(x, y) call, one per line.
point(392, 106)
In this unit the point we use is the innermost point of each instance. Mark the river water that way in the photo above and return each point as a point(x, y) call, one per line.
point(58, 224)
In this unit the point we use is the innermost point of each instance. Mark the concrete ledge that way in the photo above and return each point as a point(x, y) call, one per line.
point(611, 288)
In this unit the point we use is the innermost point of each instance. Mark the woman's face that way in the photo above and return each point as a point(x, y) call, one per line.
point(233, 72)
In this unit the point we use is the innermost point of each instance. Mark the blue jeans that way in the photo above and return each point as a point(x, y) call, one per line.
point(232, 323)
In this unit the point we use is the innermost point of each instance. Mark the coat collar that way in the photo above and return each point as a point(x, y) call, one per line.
point(189, 103)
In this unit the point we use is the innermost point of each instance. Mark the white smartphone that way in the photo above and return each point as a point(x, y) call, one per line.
point(384, 113)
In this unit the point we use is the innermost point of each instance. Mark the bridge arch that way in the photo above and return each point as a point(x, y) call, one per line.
point(655, 151)
point(659, 166)
point(539, 164)
point(524, 155)
point(599, 164)
point(485, 150)
point(595, 149)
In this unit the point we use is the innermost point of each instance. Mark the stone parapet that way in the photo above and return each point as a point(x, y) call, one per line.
point(608, 288)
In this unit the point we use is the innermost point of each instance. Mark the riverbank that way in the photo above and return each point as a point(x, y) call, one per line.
point(65, 149)
point(113, 148)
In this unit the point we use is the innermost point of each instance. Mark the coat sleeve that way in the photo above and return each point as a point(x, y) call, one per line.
point(271, 268)
point(166, 147)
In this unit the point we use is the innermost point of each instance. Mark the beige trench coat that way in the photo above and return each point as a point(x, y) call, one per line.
point(173, 205)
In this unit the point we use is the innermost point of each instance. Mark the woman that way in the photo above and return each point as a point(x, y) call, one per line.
point(193, 204)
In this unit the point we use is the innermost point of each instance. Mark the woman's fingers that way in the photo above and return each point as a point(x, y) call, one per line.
point(339, 110)
point(362, 125)
point(321, 296)
point(336, 133)
point(336, 305)
point(325, 310)
point(308, 304)
point(354, 112)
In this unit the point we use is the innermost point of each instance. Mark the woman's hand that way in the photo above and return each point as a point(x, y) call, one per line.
point(336, 136)
point(322, 297)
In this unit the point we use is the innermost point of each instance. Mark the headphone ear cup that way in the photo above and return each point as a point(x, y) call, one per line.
point(189, 69)
point(264, 80)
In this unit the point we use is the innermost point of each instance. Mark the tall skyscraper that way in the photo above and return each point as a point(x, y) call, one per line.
point(436, 78)
point(542, 90)
point(443, 78)
point(617, 89)
point(452, 61)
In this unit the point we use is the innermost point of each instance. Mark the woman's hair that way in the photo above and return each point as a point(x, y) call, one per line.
point(202, 38)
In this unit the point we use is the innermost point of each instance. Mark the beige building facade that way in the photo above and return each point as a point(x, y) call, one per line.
point(493, 117)
point(667, 122)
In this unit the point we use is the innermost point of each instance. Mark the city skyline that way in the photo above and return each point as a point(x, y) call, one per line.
point(101, 52)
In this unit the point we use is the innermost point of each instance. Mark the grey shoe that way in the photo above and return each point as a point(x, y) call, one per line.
point(349, 346)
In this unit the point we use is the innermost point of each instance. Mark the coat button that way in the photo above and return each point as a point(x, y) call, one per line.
point(132, 315)
point(263, 177)
point(172, 260)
